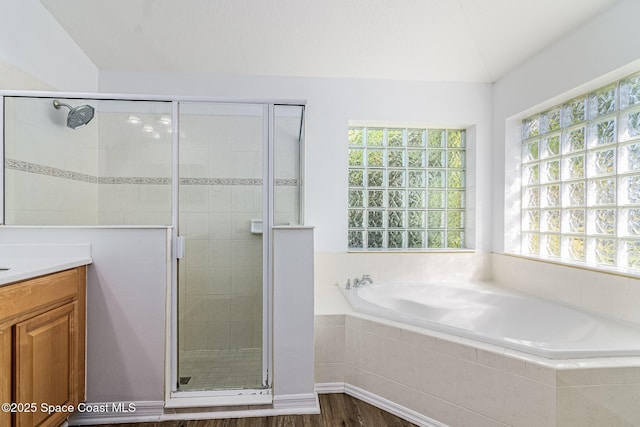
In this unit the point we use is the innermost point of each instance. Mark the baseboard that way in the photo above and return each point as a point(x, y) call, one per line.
point(153, 411)
point(391, 407)
point(296, 404)
point(327, 388)
point(117, 413)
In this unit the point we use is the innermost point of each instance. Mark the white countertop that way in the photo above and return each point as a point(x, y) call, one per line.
point(29, 261)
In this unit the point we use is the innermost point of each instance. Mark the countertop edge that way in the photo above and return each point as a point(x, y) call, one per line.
point(45, 266)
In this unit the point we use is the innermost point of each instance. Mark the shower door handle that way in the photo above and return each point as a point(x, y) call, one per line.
point(179, 247)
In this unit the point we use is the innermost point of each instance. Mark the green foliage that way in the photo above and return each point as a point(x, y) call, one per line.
point(633, 254)
point(396, 178)
point(606, 251)
point(552, 145)
point(374, 239)
point(356, 198)
point(355, 239)
point(394, 137)
point(374, 219)
point(356, 178)
point(454, 239)
point(435, 239)
point(395, 158)
point(356, 218)
point(455, 139)
point(415, 138)
point(356, 157)
point(575, 111)
point(435, 138)
point(455, 219)
point(395, 239)
point(455, 179)
point(416, 158)
point(576, 249)
point(435, 219)
point(436, 199)
point(455, 199)
point(375, 137)
point(551, 120)
point(415, 239)
point(375, 158)
point(455, 159)
point(376, 198)
point(553, 245)
point(355, 136)
point(436, 158)
point(416, 219)
point(416, 199)
point(374, 178)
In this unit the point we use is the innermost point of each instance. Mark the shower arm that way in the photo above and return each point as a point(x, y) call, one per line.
point(57, 104)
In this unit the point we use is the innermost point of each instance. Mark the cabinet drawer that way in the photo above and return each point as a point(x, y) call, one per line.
point(34, 294)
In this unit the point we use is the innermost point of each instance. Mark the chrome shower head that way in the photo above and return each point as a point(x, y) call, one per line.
point(78, 116)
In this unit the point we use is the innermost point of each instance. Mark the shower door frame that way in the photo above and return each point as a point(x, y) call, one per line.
point(174, 398)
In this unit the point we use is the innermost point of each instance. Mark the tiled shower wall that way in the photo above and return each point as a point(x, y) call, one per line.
point(110, 172)
point(50, 169)
point(134, 166)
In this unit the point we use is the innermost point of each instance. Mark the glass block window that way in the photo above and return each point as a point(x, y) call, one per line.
point(406, 188)
point(581, 178)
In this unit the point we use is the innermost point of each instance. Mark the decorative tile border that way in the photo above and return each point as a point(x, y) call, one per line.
point(35, 168)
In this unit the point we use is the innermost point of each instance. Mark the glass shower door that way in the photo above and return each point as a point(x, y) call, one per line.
point(220, 276)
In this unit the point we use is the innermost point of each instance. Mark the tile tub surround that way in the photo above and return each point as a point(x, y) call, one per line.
point(438, 379)
point(612, 294)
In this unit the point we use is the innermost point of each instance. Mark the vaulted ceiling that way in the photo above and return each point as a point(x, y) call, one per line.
point(437, 40)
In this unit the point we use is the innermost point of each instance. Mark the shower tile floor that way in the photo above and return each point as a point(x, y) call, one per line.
point(220, 369)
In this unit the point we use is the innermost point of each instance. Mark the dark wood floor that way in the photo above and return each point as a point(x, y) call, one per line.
point(336, 410)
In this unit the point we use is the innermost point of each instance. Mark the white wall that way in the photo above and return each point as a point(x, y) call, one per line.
point(35, 43)
point(331, 103)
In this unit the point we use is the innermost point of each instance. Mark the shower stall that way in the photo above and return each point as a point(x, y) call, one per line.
point(217, 175)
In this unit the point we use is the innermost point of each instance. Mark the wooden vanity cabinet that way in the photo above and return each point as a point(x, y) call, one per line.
point(42, 347)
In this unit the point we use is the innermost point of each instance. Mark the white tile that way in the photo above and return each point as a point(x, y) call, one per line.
point(219, 198)
point(330, 320)
point(528, 403)
point(540, 373)
point(329, 344)
point(328, 372)
point(467, 418)
point(480, 389)
point(437, 375)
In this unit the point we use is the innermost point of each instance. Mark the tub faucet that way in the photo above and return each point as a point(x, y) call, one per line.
point(366, 279)
point(361, 282)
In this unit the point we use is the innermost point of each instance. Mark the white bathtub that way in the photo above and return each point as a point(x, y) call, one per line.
point(499, 316)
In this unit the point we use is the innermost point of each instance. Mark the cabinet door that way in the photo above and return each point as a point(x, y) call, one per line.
point(47, 364)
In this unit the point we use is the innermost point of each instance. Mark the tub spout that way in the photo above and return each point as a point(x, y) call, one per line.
point(363, 281)
point(366, 279)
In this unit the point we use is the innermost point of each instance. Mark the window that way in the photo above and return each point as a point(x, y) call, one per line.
point(581, 178)
point(406, 188)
